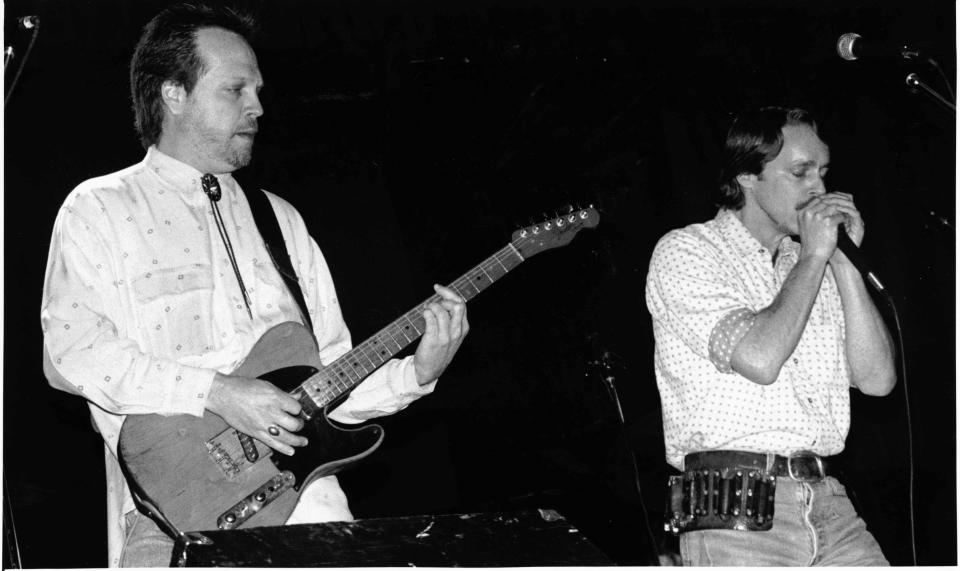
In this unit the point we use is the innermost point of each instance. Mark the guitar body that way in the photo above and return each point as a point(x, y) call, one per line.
point(199, 471)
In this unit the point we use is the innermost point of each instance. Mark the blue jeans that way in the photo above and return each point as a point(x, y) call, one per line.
point(145, 545)
point(813, 524)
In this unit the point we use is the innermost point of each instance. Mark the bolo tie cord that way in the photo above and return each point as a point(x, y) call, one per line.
point(211, 186)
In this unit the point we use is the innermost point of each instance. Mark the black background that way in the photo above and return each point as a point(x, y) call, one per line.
point(415, 136)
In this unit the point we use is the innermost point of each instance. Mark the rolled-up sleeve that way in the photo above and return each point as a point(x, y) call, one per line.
point(727, 334)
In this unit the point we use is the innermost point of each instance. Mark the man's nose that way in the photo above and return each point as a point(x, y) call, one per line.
point(254, 107)
point(819, 186)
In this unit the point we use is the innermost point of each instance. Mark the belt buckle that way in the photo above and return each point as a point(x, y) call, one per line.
point(805, 454)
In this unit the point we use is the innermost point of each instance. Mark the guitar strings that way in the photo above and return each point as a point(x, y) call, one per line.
point(330, 386)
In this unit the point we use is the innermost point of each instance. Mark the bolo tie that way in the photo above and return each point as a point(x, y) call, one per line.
point(211, 186)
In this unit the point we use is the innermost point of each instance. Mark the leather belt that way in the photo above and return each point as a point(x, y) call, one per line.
point(803, 466)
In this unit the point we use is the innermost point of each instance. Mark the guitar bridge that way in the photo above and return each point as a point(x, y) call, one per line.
point(257, 500)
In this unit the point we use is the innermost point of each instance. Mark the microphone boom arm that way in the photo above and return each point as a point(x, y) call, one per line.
point(917, 85)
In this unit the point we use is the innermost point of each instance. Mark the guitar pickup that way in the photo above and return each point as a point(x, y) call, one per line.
point(249, 447)
point(256, 501)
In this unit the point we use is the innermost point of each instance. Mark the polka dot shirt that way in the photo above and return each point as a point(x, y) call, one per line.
point(705, 285)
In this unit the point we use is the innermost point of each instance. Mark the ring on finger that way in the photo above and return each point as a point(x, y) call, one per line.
point(273, 430)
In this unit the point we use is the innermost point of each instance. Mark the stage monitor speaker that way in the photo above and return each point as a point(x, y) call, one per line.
point(515, 539)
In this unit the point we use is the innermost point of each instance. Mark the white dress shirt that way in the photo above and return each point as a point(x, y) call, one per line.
point(141, 306)
point(705, 284)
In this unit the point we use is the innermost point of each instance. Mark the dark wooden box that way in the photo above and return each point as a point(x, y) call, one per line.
point(515, 539)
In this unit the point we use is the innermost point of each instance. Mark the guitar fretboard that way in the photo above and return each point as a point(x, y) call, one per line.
point(357, 364)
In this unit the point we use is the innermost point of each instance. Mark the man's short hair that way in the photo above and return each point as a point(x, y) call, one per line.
point(167, 50)
point(754, 139)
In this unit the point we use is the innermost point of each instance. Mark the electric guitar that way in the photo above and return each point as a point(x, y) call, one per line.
point(201, 474)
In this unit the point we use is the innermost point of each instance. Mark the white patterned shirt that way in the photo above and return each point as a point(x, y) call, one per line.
point(705, 284)
point(141, 306)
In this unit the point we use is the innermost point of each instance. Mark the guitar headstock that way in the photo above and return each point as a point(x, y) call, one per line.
point(554, 232)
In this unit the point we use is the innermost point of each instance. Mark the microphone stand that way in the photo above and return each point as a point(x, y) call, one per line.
point(8, 57)
point(917, 85)
point(603, 365)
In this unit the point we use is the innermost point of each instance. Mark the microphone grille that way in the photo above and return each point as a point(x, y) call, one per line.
point(845, 46)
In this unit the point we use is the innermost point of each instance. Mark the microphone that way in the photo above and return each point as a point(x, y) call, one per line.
point(852, 46)
point(856, 257)
point(28, 22)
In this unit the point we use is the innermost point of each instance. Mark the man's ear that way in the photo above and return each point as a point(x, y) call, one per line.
point(174, 96)
point(747, 180)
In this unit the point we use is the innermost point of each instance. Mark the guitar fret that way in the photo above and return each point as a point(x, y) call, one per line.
point(343, 374)
point(391, 333)
point(488, 273)
point(517, 252)
point(381, 351)
point(326, 389)
point(319, 396)
point(356, 364)
point(404, 333)
point(474, 287)
point(413, 324)
point(366, 353)
point(493, 272)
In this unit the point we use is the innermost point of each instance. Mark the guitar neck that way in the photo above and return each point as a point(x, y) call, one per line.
point(357, 364)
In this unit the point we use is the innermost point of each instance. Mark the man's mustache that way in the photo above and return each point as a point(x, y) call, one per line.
point(805, 203)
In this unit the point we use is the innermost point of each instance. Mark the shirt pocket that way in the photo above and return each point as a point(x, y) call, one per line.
point(174, 309)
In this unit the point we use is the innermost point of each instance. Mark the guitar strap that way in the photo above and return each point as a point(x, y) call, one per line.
point(266, 220)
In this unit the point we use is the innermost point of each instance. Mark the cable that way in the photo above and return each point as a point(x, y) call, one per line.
point(23, 62)
point(906, 401)
point(946, 81)
point(11, 542)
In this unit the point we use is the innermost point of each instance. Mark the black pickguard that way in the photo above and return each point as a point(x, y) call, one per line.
point(332, 447)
